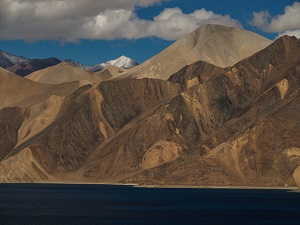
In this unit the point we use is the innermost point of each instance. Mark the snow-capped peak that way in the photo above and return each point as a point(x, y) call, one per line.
point(123, 62)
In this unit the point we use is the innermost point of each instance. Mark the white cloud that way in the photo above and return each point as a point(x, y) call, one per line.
point(71, 20)
point(287, 23)
point(261, 19)
point(172, 24)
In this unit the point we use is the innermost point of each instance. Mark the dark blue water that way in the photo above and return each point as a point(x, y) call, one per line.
point(59, 204)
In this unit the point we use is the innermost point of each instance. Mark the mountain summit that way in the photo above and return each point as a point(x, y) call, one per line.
point(216, 44)
point(122, 62)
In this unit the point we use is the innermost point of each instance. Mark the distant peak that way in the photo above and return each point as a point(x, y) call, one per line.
point(123, 57)
point(215, 27)
point(123, 62)
point(67, 63)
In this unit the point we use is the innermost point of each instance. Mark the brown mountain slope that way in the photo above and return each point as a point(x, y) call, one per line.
point(239, 127)
point(247, 125)
point(62, 73)
point(87, 119)
point(218, 45)
point(18, 91)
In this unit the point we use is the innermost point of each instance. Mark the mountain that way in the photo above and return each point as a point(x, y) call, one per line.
point(218, 45)
point(121, 62)
point(241, 126)
point(23, 66)
point(62, 73)
point(32, 65)
point(8, 60)
point(16, 91)
point(206, 126)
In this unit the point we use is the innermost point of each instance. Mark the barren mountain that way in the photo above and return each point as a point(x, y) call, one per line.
point(218, 45)
point(205, 126)
point(246, 125)
point(32, 65)
point(62, 73)
point(21, 92)
point(7, 59)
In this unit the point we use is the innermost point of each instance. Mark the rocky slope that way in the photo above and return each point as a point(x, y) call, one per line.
point(205, 126)
point(60, 145)
point(247, 127)
point(218, 45)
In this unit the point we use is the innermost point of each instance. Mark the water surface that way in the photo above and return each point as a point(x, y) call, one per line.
point(61, 204)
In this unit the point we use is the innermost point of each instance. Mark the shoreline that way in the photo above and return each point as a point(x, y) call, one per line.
point(135, 185)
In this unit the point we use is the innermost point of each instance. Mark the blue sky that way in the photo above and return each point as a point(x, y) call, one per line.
point(96, 31)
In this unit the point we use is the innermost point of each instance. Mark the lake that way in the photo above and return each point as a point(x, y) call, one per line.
point(64, 204)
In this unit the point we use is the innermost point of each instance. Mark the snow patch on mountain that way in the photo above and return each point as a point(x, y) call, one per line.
point(122, 62)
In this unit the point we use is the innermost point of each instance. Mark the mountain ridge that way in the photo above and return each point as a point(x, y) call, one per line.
point(24, 66)
point(8, 60)
point(30, 66)
point(62, 73)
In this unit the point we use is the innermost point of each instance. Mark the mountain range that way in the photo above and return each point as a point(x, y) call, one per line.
point(23, 66)
point(219, 107)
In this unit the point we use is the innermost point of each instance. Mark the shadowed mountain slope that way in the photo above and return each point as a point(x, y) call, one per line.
point(7, 59)
point(32, 65)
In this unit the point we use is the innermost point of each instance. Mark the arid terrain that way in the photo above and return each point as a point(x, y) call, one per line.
point(219, 107)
